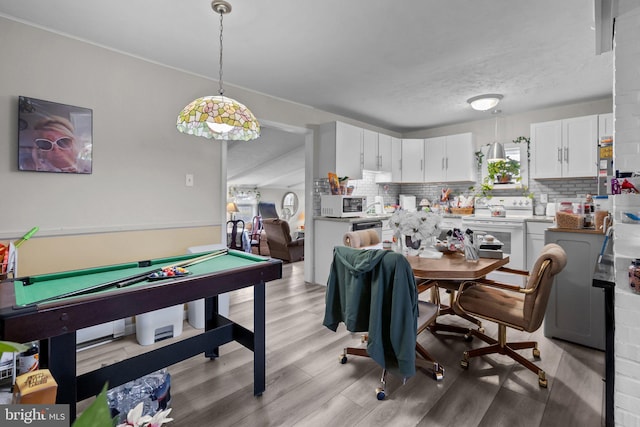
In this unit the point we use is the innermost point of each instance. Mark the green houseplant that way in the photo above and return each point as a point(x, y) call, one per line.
point(502, 171)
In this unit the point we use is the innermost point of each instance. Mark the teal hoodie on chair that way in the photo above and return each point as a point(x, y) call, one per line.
point(374, 291)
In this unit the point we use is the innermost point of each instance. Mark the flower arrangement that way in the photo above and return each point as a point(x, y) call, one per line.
point(418, 226)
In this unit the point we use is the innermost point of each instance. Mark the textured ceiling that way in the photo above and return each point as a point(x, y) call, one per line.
point(401, 66)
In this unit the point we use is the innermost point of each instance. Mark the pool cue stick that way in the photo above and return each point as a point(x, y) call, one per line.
point(143, 276)
point(26, 237)
point(129, 280)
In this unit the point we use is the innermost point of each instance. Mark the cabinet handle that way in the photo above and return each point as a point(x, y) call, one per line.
point(566, 154)
point(560, 154)
point(421, 164)
point(447, 163)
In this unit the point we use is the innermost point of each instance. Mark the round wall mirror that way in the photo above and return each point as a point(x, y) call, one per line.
point(290, 204)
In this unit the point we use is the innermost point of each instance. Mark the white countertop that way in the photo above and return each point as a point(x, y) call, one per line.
point(380, 217)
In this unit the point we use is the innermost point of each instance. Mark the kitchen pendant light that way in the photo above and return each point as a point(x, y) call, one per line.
point(496, 149)
point(219, 117)
point(484, 102)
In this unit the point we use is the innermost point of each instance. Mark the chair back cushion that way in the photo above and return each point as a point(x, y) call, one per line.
point(277, 231)
point(551, 261)
point(361, 238)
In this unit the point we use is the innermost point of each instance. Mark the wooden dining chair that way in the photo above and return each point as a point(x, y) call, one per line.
point(256, 233)
point(512, 306)
point(374, 291)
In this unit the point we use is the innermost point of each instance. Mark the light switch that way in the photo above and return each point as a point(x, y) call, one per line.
point(188, 180)
point(544, 198)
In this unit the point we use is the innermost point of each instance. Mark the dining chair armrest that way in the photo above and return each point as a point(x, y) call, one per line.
point(491, 283)
point(513, 271)
point(425, 284)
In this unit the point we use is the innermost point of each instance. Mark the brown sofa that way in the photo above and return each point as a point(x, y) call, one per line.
point(279, 240)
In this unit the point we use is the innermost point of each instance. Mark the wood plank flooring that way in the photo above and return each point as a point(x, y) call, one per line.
point(307, 386)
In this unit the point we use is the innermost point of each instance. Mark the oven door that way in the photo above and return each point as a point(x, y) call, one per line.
point(511, 234)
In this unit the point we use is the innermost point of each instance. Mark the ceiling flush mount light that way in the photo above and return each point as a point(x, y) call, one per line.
point(484, 102)
point(219, 117)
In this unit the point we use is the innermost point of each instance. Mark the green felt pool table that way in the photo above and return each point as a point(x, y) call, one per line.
point(55, 321)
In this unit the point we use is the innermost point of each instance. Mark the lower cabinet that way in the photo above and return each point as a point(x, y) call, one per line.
point(535, 241)
point(575, 311)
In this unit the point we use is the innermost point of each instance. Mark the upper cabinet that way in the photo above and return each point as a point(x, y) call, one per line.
point(440, 159)
point(347, 150)
point(340, 149)
point(412, 160)
point(564, 148)
point(449, 158)
point(396, 159)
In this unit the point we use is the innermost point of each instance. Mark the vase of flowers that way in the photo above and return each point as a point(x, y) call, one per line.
point(414, 228)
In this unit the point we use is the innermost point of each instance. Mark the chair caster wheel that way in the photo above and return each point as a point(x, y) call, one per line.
point(343, 359)
point(542, 383)
point(536, 353)
point(481, 330)
point(438, 375)
point(464, 363)
point(468, 337)
point(380, 394)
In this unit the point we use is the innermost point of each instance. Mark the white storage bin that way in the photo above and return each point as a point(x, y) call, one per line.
point(195, 309)
point(159, 324)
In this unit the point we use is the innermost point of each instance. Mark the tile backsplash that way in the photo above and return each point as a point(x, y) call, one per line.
point(555, 189)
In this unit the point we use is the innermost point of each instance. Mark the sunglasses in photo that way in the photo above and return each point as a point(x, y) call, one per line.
point(63, 143)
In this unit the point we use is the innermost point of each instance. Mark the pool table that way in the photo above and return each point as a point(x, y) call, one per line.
point(54, 322)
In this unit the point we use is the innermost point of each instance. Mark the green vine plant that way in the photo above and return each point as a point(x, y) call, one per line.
point(522, 139)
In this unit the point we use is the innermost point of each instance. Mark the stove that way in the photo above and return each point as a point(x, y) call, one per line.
point(509, 229)
point(516, 209)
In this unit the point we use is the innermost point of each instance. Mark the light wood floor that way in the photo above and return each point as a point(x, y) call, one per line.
point(306, 385)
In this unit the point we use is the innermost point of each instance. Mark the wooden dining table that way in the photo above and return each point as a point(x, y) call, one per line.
point(454, 267)
point(446, 273)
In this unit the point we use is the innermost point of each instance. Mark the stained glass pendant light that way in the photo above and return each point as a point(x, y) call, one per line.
point(219, 117)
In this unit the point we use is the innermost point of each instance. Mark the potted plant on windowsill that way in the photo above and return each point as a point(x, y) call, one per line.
point(503, 171)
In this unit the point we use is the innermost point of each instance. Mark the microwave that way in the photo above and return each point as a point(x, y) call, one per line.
point(342, 206)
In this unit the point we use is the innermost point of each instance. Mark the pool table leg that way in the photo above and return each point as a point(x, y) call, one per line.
point(61, 361)
point(259, 343)
point(211, 322)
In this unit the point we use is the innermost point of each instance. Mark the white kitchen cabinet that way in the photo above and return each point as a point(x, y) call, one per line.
point(449, 158)
point(575, 311)
point(605, 125)
point(535, 240)
point(385, 153)
point(396, 159)
point(413, 160)
point(370, 150)
point(339, 149)
point(564, 148)
point(376, 151)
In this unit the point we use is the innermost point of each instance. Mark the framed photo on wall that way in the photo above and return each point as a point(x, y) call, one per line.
point(54, 137)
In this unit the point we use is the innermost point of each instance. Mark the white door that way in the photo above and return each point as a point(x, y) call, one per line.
point(396, 159)
point(385, 153)
point(434, 159)
point(459, 157)
point(580, 139)
point(348, 149)
point(546, 149)
point(370, 150)
point(412, 160)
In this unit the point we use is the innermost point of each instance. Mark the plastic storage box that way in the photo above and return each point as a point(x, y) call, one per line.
point(159, 324)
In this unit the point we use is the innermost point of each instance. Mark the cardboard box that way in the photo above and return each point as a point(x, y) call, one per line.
point(36, 387)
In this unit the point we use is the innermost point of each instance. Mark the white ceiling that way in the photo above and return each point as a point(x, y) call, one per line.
point(402, 66)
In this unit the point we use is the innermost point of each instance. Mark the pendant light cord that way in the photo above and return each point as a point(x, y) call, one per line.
point(220, 90)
